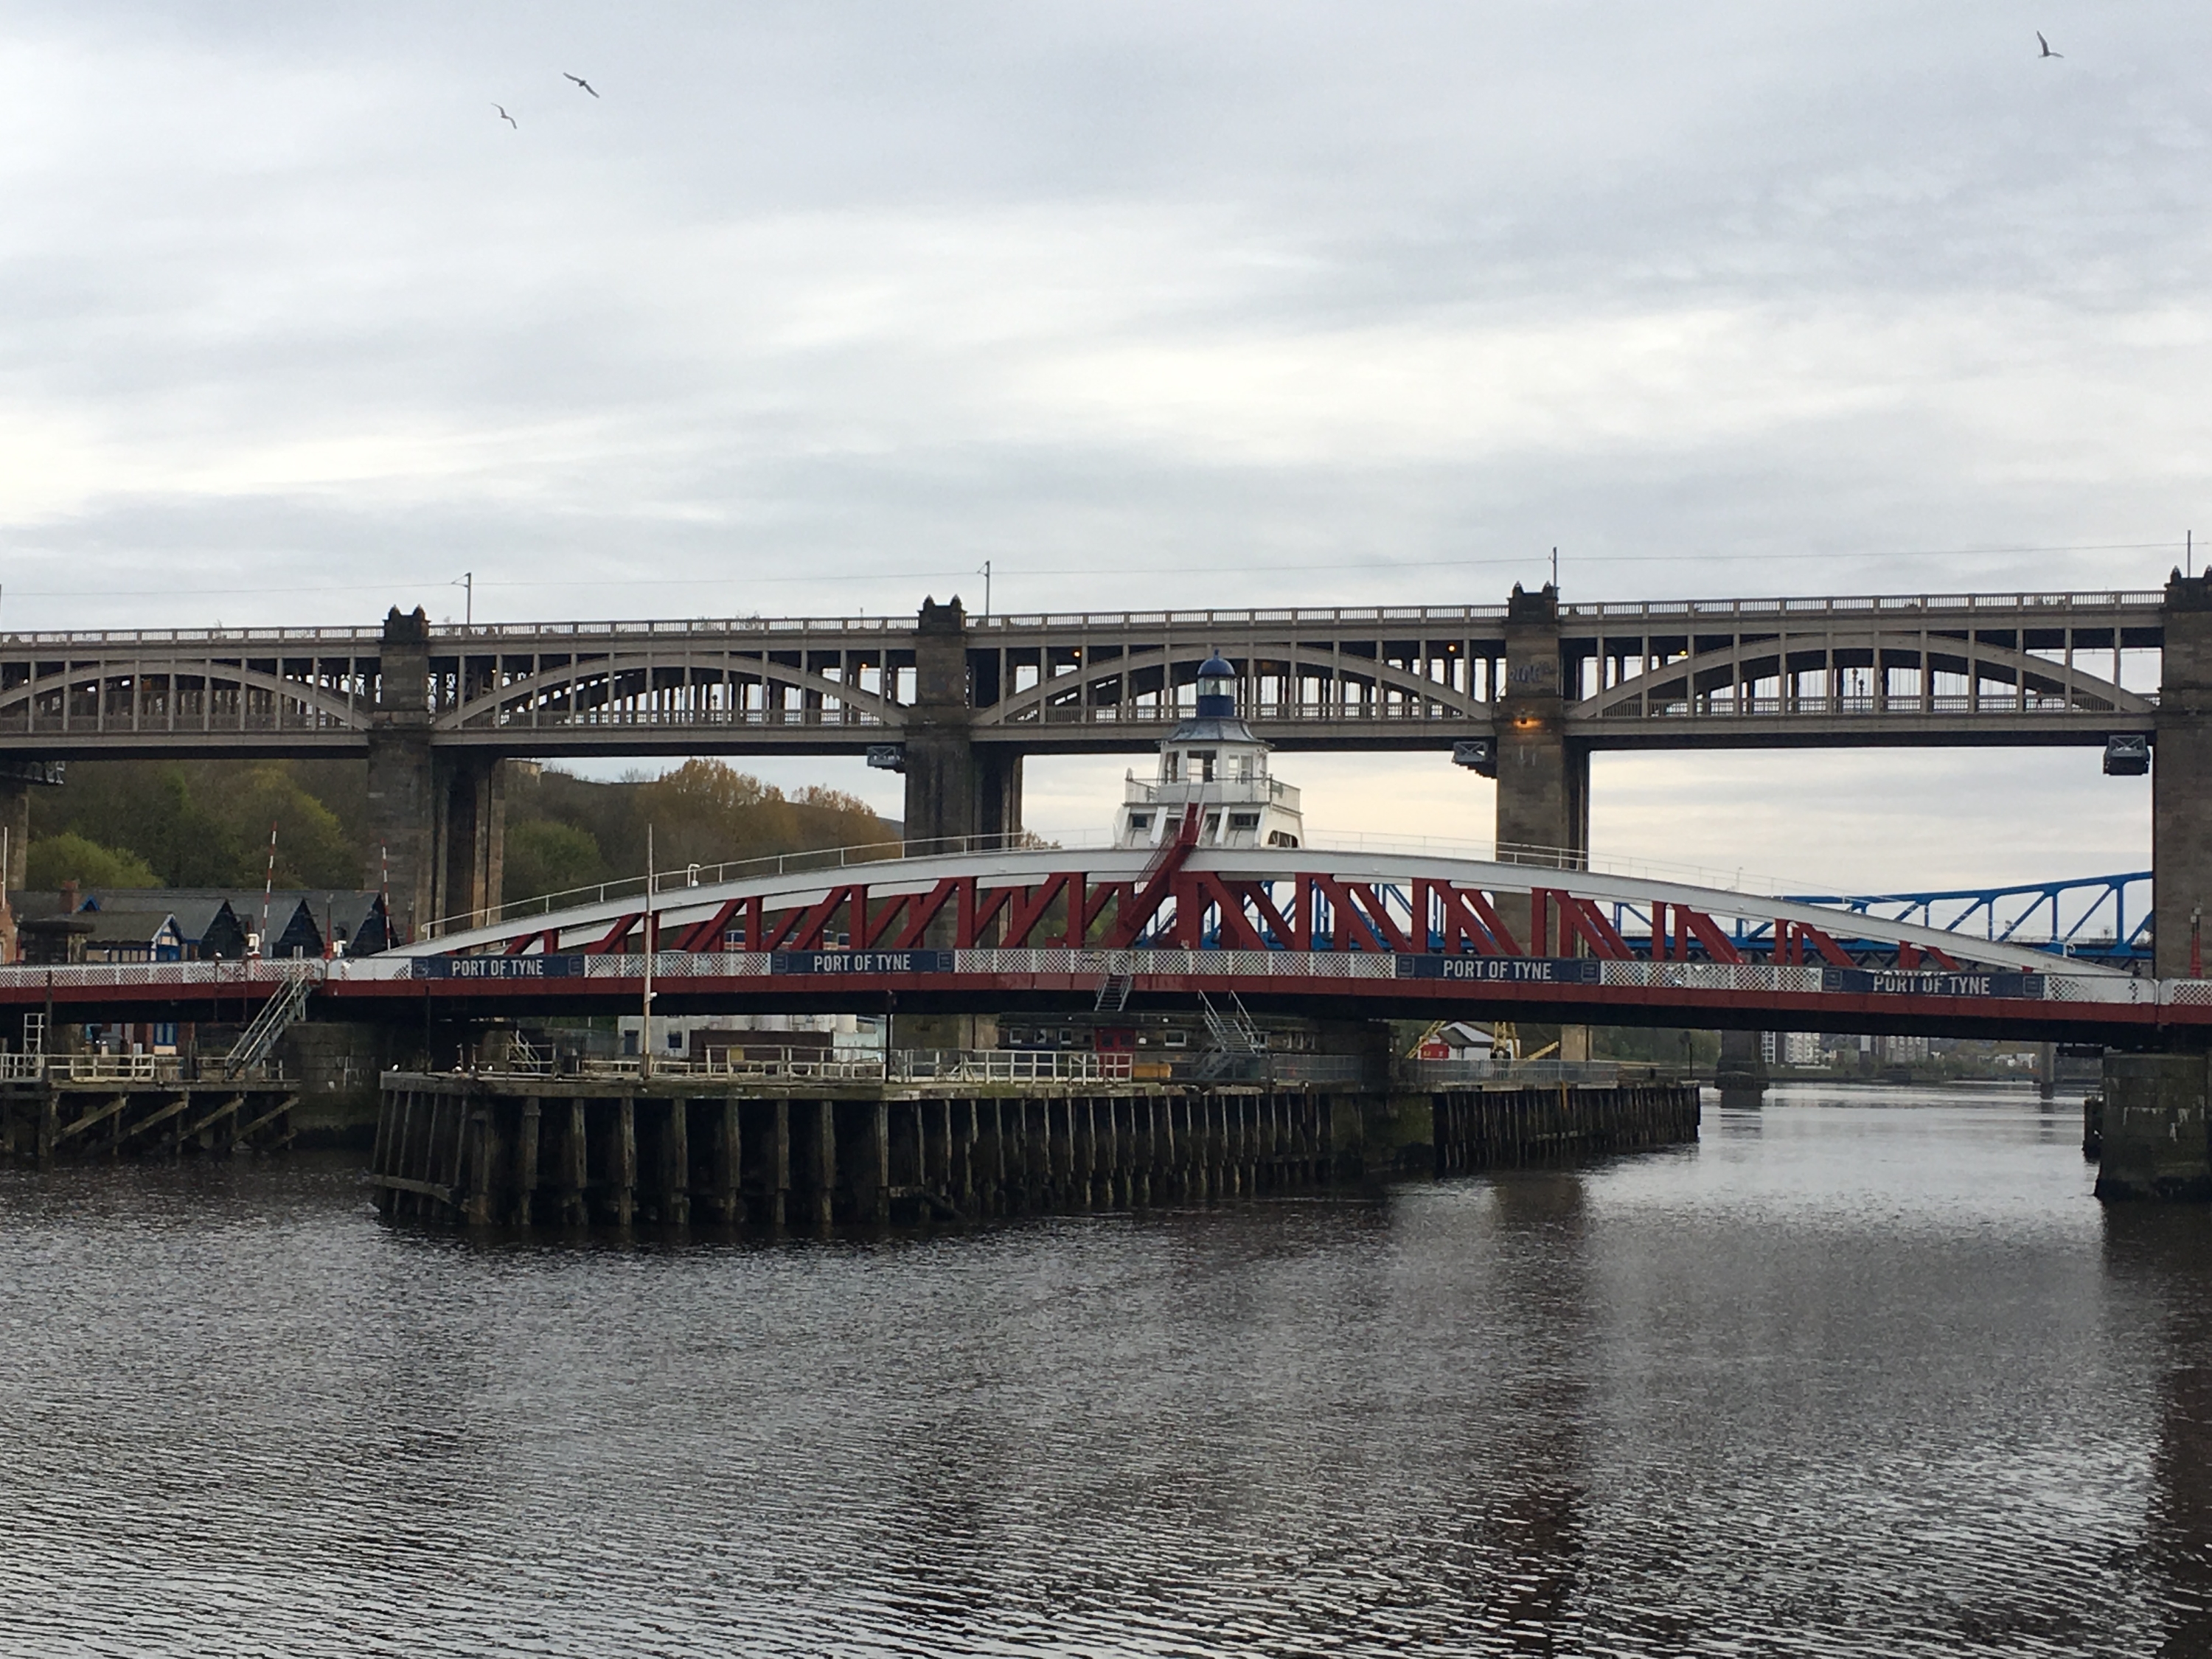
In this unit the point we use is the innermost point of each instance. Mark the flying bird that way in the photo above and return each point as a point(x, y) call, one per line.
point(504, 116)
point(2039, 41)
point(587, 85)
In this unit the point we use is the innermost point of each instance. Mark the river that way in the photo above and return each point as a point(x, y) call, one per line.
point(1865, 1372)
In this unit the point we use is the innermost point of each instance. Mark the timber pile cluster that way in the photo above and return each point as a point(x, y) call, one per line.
point(493, 1151)
point(47, 1121)
point(483, 1152)
point(1516, 1129)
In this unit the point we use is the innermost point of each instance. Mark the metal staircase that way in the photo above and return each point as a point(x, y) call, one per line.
point(277, 1016)
point(1113, 994)
point(1236, 1038)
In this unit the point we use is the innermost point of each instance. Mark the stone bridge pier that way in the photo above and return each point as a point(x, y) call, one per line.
point(956, 787)
point(2181, 781)
point(437, 816)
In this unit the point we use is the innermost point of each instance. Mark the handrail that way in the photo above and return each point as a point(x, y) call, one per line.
point(492, 634)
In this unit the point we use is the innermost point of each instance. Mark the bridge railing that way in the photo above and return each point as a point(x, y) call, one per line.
point(1530, 1073)
point(1010, 1065)
point(1068, 968)
point(104, 1068)
point(1863, 604)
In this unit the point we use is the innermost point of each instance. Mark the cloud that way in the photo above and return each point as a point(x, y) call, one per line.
point(817, 308)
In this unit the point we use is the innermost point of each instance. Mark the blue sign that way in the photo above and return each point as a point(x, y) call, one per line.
point(1904, 982)
point(1517, 970)
point(498, 968)
point(861, 962)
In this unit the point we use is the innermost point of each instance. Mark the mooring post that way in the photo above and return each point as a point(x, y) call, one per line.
point(776, 1174)
point(824, 1117)
point(729, 1163)
point(1038, 1167)
point(575, 1165)
point(481, 1151)
point(525, 1161)
point(872, 1194)
point(622, 1161)
point(675, 1163)
point(960, 1152)
point(995, 1154)
point(49, 1124)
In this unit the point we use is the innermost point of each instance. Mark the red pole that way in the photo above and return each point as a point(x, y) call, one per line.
point(268, 886)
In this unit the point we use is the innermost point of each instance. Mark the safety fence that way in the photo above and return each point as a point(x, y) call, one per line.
point(105, 1068)
point(253, 980)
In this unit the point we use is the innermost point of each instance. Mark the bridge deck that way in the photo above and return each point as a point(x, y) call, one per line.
point(1838, 669)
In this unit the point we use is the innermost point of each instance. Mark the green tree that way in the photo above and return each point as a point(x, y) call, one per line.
point(544, 857)
point(68, 856)
point(312, 849)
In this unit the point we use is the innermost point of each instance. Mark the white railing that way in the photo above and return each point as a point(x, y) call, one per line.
point(1532, 1074)
point(821, 1065)
point(2061, 982)
point(1721, 706)
point(1010, 1065)
point(121, 1068)
point(812, 1064)
point(1668, 610)
point(449, 635)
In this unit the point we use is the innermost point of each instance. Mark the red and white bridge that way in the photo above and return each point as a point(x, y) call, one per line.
point(1290, 930)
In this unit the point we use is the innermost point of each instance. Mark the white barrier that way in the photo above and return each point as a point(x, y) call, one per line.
point(253, 979)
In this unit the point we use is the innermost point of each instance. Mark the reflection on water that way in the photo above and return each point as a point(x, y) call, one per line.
point(1863, 1373)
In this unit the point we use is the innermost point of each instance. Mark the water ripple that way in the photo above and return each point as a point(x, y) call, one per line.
point(1845, 1379)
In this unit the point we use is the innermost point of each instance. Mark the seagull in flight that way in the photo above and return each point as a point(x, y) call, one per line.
point(2039, 41)
point(587, 85)
point(504, 116)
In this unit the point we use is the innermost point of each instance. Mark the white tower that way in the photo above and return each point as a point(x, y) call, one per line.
point(1212, 759)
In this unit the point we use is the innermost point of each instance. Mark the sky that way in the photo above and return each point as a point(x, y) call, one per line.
point(815, 309)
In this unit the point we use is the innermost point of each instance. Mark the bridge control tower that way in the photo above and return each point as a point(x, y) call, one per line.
point(1212, 760)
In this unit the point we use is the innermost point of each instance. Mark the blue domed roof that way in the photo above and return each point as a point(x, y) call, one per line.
point(1215, 700)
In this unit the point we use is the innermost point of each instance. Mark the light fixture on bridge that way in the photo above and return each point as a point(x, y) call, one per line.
point(887, 756)
point(2127, 756)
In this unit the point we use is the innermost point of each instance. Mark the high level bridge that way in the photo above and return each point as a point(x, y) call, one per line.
point(957, 702)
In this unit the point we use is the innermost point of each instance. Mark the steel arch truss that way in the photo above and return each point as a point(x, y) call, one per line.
point(1448, 680)
point(1894, 674)
point(168, 696)
point(1272, 900)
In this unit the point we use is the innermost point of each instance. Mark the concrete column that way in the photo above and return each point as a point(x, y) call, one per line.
point(1742, 1071)
point(471, 813)
point(2181, 777)
point(1543, 780)
point(2154, 1140)
point(953, 787)
point(402, 793)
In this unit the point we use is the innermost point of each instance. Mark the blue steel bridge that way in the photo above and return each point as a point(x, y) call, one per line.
point(2100, 919)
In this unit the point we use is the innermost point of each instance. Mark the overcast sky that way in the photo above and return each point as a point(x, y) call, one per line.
point(819, 307)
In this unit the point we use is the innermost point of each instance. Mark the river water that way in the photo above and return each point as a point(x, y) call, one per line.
point(1863, 1373)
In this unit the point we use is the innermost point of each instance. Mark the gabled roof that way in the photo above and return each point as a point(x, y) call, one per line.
point(115, 924)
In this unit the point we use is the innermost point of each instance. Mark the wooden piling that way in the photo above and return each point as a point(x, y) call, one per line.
point(676, 1162)
point(529, 1124)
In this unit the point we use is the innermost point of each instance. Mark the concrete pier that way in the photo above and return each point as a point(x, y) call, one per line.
point(1742, 1075)
point(509, 1151)
point(2152, 1128)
